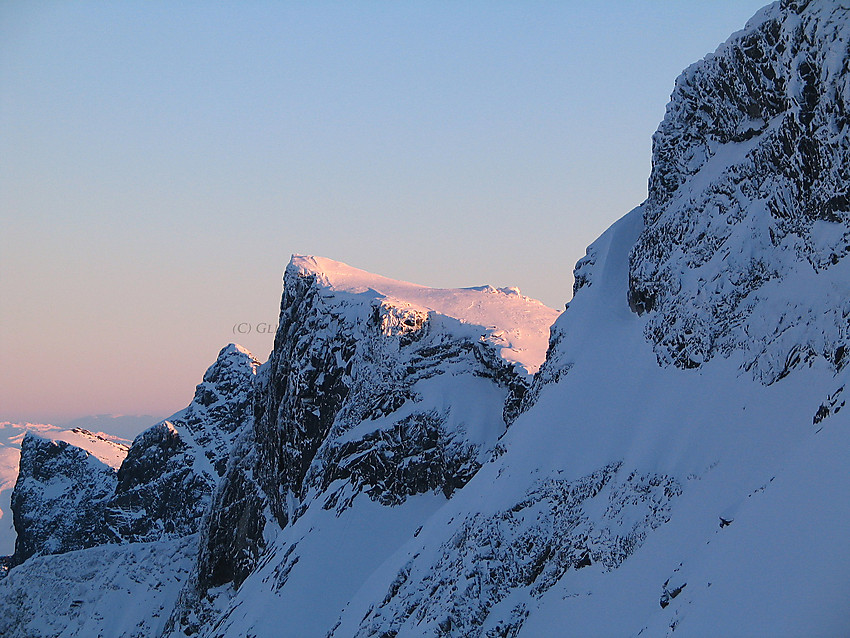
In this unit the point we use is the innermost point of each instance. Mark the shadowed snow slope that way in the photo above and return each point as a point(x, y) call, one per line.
point(677, 467)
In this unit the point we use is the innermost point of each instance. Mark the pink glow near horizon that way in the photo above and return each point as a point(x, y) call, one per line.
point(160, 162)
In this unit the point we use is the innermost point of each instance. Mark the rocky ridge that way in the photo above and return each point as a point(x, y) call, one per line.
point(66, 499)
point(680, 457)
point(749, 181)
point(374, 387)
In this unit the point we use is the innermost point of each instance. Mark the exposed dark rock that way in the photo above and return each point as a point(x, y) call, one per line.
point(166, 482)
point(833, 404)
point(59, 499)
point(66, 499)
point(669, 594)
point(232, 536)
point(301, 390)
point(416, 455)
point(750, 176)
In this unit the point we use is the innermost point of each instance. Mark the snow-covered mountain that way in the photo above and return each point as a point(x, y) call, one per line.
point(403, 465)
point(380, 400)
point(105, 448)
point(122, 425)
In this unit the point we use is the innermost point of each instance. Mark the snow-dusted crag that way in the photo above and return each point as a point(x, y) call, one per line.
point(749, 199)
point(137, 508)
point(400, 466)
point(66, 498)
point(104, 449)
point(190, 450)
point(60, 498)
point(356, 362)
point(375, 387)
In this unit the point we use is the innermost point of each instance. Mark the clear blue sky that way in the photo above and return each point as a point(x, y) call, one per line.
point(160, 161)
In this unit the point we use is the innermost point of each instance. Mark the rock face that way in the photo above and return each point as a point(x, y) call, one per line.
point(59, 499)
point(351, 351)
point(400, 466)
point(511, 554)
point(66, 499)
point(106, 449)
point(354, 399)
point(750, 180)
point(166, 482)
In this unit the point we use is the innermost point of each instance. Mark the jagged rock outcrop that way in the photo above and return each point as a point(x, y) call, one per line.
point(345, 403)
point(352, 349)
point(166, 482)
point(66, 499)
point(750, 180)
point(59, 499)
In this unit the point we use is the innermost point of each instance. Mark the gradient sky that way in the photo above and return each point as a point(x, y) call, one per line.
point(160, 161)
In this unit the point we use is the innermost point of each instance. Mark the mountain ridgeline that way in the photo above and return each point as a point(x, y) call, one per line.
point(666, 456)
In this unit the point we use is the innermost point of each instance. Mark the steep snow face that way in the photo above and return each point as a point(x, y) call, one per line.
point(634, 499)
point(748, 216)
point(107, 591)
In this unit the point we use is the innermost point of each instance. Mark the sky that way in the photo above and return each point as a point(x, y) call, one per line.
point(161, 161)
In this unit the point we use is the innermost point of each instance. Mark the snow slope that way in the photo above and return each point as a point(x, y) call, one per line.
point(677, 467)
point(111, 590)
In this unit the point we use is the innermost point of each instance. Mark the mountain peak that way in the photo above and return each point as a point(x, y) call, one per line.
point(518, 326)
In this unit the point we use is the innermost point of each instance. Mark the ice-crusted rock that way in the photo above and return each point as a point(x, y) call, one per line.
point(166, 482)
point(353, 348)
point(748, 214)
point(519, 553)
point(375, 387)
point(59, 499)
point(66, 498)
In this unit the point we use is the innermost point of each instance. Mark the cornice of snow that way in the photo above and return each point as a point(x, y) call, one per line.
point(516, 325)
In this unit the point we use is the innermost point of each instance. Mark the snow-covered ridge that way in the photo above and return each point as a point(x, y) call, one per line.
point(515, 325)
point(107, 448)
